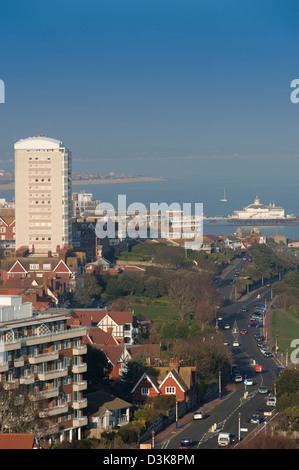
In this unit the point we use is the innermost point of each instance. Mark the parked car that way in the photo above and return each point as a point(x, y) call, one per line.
point(199, 414)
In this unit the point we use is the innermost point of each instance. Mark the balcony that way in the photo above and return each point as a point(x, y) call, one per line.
point(80, 386)
point(54, 410)
point(79, 404)
point(27, 380)
point(11, 384)
point(14, 345)
point(4, 367)
point(60, 335)
point(53, 374)
point(18, 362)
point(79, 368)
point(78, 350)
point(79, 422)
point(45, 357)
point(44, 394)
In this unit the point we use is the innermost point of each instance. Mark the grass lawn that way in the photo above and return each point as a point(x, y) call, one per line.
point(286, 326)
point(157, 313)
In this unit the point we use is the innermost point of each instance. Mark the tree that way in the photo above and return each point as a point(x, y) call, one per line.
point(98, 367)
point(23, 412)
point(183, 296)
point(87, 287)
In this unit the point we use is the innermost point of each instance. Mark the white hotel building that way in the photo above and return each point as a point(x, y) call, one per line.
point(43, 194)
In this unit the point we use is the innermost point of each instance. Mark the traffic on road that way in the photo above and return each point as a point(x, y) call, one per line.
point(253, 372)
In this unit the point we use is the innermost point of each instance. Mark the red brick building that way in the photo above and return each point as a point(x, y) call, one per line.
point(175, 380)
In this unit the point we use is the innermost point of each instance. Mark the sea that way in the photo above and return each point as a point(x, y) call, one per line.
point(201, 179)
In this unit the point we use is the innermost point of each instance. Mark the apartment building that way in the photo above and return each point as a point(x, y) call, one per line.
point(43, 194)
point(41, 355)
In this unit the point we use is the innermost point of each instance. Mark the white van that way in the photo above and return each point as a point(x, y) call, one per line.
point(226, 438)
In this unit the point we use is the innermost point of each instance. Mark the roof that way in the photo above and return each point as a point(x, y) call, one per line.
point(17, 441)
point(98, 400)
point(38, 143)
point(99, 337)
point(148, 375)
point(113, 353)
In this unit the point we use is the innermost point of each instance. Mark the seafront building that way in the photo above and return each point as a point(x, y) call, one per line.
point(43, 194)
point(41, 355)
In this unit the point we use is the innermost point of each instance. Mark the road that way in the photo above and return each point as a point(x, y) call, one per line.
point(233, 413)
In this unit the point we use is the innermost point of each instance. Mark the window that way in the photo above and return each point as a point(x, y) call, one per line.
point(67, 344)
point(33, 266)
point(170, 390)
point(144, 391)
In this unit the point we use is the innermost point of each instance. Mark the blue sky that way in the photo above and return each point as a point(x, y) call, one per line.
point(147, 78)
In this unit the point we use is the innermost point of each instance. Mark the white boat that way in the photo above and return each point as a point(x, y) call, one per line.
point(224, 198)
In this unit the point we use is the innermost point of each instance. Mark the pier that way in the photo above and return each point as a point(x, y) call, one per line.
point(213, 220)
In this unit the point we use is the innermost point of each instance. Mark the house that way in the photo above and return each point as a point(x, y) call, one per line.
point(123, 325)
point(233, 242)
point(59, 273)
point(18, 441)
point(174, 380)
point(117, 354)
point(106, 412)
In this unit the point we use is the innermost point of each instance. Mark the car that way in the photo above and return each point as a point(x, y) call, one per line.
point(268, 354)
point(258, 368)
point(186, 441)
point(255, 418)
point(253, 324)
point(236, 343)
point(234, 366)
point(280, 369)
point(238, 378)
point(263, 389)
point(243, 332)
point(235, 372)
point(219, 318)
point(231, 281)
point(244, 308)
point(226, 326)
point(248, 381)
point(226, 438)
point(271, 401)
point(199, 414)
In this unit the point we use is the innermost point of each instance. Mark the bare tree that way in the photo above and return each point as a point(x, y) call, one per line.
point(21, 412)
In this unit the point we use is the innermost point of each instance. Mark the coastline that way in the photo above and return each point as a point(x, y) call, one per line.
point(137, 179)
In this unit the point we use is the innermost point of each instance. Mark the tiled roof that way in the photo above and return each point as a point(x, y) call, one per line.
point(16, 441)
point(100, 337)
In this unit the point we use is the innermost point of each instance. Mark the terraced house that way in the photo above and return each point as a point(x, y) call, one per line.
point(40, 354)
